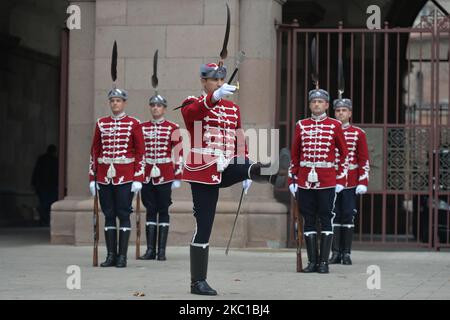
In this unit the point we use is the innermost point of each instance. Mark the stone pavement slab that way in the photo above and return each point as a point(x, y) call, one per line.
point(30, 268)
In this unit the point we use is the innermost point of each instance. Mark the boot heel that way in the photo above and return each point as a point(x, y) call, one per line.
point(121, 262)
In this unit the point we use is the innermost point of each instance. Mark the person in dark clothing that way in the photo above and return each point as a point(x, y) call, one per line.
point(45, 182)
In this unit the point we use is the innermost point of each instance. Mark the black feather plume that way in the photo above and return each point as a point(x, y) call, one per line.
point(224, 52)
point(155, 70)
point(314, 75)
point(341, 80)
point(114, 62)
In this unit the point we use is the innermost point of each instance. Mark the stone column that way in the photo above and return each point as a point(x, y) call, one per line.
point(80, 101)
point(80, 126)
point(257, 77)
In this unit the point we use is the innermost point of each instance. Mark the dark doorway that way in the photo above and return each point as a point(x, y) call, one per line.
point(30, 67)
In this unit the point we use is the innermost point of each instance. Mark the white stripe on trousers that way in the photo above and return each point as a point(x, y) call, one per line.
point(333, 216)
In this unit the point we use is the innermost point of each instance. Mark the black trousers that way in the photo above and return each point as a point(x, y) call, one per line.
point(345, 208)
point(157, 200)
point(116, 202)
point(205, 198)
point(315, 204)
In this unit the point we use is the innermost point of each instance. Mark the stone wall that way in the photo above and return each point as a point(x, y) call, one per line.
point(187, 33)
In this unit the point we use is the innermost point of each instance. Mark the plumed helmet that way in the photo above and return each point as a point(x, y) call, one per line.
point(213, 70)
point(318, 94)
point(342, 103)
point(118, 93)
point(158, 99)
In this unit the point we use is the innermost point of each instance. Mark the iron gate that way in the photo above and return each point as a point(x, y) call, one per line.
point(398, 80)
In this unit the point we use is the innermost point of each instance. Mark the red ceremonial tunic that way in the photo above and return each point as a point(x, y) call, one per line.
point(313, 154)
point(163, 151)
point(216, 138)
point(358, 156)
point(117, 151)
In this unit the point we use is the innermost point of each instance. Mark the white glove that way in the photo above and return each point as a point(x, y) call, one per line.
point(339, 188)
point(136, 187)
point(176, 184)
point(293, 189)
point(225, 90)
point(361, 189)
point(246, 185)
point(92, 187)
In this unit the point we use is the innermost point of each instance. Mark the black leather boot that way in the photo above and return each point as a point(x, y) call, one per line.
point(311, 249)
point(162, 241)
point(124, 236)
point(111, 247)
point(347, 243)
point(336, 246)
point(278, 179)
point(325, 247)
point(150, 232)
point(199, 269)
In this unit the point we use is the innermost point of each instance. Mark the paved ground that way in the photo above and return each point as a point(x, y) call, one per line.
point(30, 268)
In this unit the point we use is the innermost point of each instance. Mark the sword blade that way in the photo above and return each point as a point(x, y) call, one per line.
point(235, 220)
point(239, 58)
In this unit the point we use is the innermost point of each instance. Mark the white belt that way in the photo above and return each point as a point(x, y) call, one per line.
point(212, 152)
point(221, 161)
point(115, 161)
point(352, 166)
point(320, 164)
point(162, 160)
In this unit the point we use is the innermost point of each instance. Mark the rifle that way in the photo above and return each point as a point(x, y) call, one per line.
point(297, 233)
point(96, 224)
point(138, 225)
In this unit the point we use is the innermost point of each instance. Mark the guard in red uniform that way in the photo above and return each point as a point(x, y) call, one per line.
point(217, 159)
point(314, 180)
point(164, 158)
point(357, 181)
point(117, 157)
